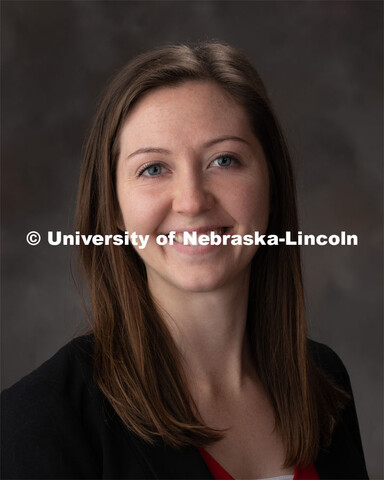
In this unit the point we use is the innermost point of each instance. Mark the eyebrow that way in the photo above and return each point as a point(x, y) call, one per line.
point(148, 150)
point(223, 138)
point(210, 143)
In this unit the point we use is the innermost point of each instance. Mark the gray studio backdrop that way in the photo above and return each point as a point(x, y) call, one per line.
point(322, 64)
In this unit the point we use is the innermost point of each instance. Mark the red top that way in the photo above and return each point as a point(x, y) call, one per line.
point(219, 473)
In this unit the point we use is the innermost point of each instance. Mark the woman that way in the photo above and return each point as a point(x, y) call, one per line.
point(197, 364)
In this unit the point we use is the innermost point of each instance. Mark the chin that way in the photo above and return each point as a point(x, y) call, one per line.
point(200, 283)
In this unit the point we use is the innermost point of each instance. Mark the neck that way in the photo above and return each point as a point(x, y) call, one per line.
point(209, 330)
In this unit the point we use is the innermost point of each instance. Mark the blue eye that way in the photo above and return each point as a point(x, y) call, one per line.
point(153, 170)
point(225, 161)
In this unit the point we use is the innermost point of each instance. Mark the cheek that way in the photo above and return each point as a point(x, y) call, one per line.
point(250, 203)
point(141, 211)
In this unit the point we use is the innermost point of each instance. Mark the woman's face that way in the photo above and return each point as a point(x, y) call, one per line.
point(190, 162)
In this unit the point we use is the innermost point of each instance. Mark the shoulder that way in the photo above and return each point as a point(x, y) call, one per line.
point(57, 424)
point(45, 409)
point(344, 457)
point(330, 363)
point(71, 366)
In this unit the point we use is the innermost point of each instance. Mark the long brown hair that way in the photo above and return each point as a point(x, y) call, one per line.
point(136, 362)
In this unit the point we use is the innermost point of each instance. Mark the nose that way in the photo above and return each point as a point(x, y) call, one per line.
point(191, 195)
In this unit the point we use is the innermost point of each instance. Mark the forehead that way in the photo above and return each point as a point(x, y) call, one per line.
point(192, 112)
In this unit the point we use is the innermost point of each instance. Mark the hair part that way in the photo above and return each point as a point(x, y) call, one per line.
point(136, 362)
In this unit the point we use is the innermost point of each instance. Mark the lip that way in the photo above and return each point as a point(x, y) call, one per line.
point(198, 230)
point(198, 249)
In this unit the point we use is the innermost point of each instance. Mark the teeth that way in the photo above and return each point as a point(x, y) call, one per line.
point(179, 237)
point(189, 241)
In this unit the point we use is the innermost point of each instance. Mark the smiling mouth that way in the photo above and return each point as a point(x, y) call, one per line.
point(198, 237)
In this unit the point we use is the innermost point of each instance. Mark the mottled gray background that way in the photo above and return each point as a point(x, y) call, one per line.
point(322, 64)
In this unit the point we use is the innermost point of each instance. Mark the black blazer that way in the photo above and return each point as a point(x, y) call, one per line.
point(56, 423)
